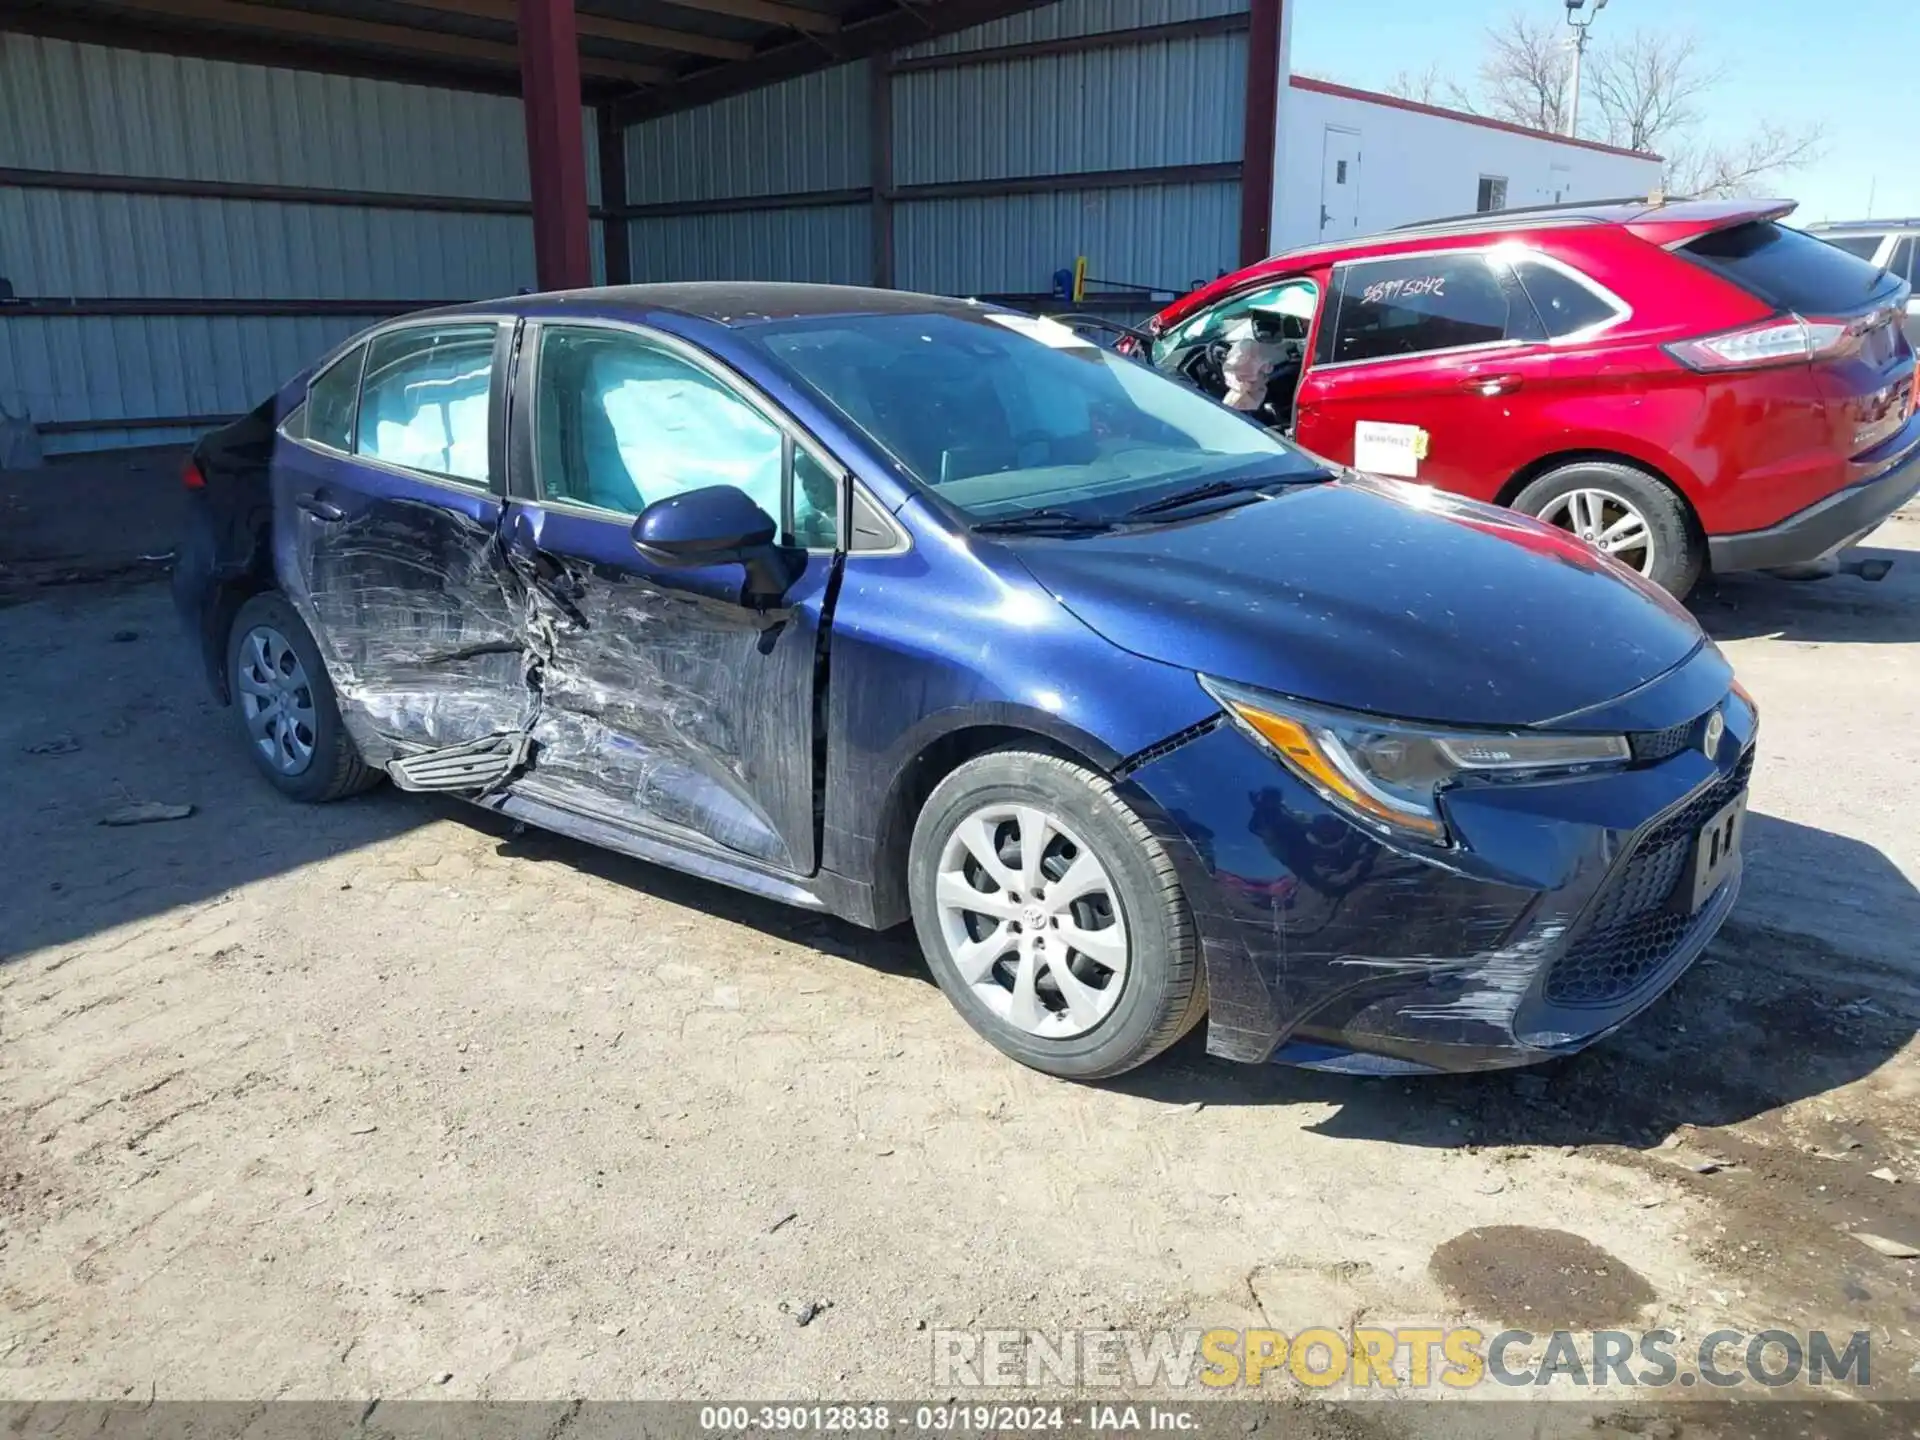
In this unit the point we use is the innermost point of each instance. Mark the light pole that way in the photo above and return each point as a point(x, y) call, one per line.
point(1575, 10)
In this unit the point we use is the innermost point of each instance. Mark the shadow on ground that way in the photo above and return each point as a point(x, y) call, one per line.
point(1842, 608)
point(1766, 1018)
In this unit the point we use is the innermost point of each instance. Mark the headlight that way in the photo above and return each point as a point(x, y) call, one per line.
point(1389, 774)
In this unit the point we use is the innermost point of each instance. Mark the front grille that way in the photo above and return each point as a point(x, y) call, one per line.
point(1652, 746)
point(1635, 926)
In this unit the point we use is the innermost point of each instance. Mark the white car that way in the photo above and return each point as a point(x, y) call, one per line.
point(1892, 245)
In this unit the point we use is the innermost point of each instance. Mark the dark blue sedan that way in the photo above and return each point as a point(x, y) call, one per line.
point(897, 607)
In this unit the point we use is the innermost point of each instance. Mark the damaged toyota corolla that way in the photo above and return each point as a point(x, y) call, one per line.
point(895, 607)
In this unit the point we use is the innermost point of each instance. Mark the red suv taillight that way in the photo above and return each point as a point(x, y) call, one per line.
point(1791, 341)
point(191, 477)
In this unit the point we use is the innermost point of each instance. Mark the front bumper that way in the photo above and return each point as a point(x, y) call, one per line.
point(1562, 914)
point(1842, 519)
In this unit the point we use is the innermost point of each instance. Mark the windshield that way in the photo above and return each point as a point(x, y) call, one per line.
point(1004, 414)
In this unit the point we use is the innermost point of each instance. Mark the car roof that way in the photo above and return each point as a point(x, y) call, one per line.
point(1871, 227)
point(725, 302)
point(1671, 216)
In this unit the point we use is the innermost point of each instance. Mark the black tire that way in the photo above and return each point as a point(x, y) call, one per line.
point(1679, 552)
point(1163, 991)
point(336, 769)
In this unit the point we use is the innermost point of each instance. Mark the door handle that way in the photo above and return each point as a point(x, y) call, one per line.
point(320, 509)
point(1492, 384)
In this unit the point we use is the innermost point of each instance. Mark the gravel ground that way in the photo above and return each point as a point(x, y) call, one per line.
point(380, 1099)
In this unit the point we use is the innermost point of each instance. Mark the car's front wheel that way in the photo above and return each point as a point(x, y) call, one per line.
point(284, 703)
point(1622, 512)
point(1052, 916)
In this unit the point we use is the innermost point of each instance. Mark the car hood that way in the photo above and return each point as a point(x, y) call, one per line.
point(1375, 595)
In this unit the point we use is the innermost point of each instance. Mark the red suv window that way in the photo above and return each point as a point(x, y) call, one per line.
point(1416, 304)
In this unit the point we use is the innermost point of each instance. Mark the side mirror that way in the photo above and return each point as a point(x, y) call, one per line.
point(718, 525)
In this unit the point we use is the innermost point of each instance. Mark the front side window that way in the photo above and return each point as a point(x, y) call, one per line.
point(1001, 414)
point(1287, 308)
point(331, 401)
point(1414, 304)
point(424, 401)
point(623, 422)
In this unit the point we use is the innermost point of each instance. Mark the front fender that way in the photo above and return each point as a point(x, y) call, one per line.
point(981, 647)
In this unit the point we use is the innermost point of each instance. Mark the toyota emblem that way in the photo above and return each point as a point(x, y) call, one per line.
point(1716, 727)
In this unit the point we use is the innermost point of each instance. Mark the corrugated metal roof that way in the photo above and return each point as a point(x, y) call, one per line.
point(1075, 17)
point(1173, 102)
point(806, 134)
point(832, 244)
point(1166, 236)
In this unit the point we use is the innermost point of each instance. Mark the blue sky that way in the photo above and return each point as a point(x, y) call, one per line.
point(1847, 64)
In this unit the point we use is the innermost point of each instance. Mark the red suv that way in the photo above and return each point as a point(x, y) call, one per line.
point(1687, 386)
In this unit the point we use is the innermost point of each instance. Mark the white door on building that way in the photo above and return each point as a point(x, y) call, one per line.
point(1560, 182)
point(1340, 184)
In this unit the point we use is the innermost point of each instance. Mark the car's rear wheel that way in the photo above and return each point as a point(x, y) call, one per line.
point(1622, 512)
point(284, 703)
point(1052, 916)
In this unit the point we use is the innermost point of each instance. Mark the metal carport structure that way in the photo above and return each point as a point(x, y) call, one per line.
point(196, 193)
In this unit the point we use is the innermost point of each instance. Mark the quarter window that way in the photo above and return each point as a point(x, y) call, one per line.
point(1420, 303)
point(1564, 303)
point(623, 423)
point(424, 402)
point(331, 400)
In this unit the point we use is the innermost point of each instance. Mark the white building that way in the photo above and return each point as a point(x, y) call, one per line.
point(1353, 162)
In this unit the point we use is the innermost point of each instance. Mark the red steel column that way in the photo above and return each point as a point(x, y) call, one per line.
point(1263, 124)
point(556, 154)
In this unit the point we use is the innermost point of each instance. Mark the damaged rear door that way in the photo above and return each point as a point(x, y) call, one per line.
point(667, 703)
point(387, 508)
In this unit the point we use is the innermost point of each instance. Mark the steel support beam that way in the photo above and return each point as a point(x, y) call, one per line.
point(616, 231)
point(556, 154)
point(1265, 41)
point(880, 146)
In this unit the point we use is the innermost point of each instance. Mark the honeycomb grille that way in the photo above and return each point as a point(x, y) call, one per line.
point(1652, 746)
point(1634, 927)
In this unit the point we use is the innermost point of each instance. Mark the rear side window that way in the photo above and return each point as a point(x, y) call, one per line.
point(1791, 269)
point(424, 402)
point(331, 400)
point(1905, 262)
point(1565, 304)
point(1414, 304)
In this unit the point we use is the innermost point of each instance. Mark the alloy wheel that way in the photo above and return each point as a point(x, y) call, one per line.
point(1610, 523)
point(1032, 921)
point(276, 699)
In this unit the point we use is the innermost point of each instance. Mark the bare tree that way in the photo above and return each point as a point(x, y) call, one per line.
point(1647, 90)
point(1523, 76)
point(1430, 86)
point(1647, 86)
point(1738, 169)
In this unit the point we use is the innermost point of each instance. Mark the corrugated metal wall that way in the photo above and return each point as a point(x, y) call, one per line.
point(806, 136)
point(1161, 103)
point(90, 111)
point(1165, 103)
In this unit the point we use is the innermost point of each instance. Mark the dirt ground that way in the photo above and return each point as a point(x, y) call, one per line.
point(381, 1099)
